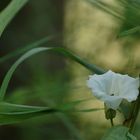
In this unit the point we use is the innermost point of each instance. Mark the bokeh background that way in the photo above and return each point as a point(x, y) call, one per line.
point(93, 30)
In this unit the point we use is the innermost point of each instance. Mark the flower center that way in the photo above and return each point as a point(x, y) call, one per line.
point(114, 93)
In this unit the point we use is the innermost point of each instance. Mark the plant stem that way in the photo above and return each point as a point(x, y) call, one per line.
point(135, 113)
point(112, 123)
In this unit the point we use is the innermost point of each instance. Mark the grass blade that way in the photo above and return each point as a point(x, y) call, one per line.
point(106, 8)
point(13, 113)
point(9, 12)
point(63, 51)
point(130, 32)
point(26, 48)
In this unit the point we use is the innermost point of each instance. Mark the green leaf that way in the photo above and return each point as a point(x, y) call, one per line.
point(130, 32)
point(13, 113)
point(25, 48)
point(71, 106)
point(118, 133)
point(89, 110)
point(126, 108)
point(9, 12)
point(105, 7)
point(62, 51)
point(131, 137)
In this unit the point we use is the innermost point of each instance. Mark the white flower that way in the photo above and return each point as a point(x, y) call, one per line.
point(112, 88)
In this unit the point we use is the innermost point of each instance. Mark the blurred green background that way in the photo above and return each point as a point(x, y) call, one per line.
point(92, 29)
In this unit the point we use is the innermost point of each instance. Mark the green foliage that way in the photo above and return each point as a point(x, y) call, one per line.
point(25, 48)
point(126, 109)
point(13, 113)
point(130, 31)
point(129, 16)
point(41, 49)
point(72, 107)
point(9, 12)
point(105, 7)
point(118, 133)
point(29, 110)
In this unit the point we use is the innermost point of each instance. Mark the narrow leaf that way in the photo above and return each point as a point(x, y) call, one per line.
point(63, 51)
point(26, 48)
point(106, 8)
point(130, 31)
point(13, 113)
point(72, 106)
point(9, 12)
point(118, 133)
point(89, 110)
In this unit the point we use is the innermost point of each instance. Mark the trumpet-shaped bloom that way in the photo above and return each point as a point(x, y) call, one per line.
point(112, 88)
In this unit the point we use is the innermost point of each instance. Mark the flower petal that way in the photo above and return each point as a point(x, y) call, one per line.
point(100, 82)
point(130, 89)
point(112, 88)
point(112, 101)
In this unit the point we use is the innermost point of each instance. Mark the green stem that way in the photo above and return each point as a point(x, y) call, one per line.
point(112, 123)
point(135, 113)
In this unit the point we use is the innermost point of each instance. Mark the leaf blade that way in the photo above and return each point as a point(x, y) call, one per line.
point(118, 133)
point(25, 48)
point(129, 32)
point(9, 12)
point(13, 113)
point(34, 51)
